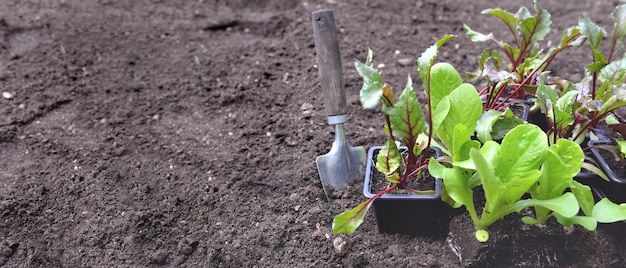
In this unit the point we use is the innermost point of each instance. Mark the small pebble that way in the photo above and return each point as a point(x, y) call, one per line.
point(306, 106)
point(340, 245)
point(405, 61)
point(290, 142)
point(7, 95)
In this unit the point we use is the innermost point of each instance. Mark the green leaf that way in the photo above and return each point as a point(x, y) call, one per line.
point(565, 205)
point(614, 72)
point(546, 97)
point(426, 60)
point(587, 222)
point(491, 69)
point(529, 220)
point(594, 34)
point(476, 36)
point(494, 124)
point(571, 38)
point(564, 103)
point(462, 143)
point(465, 108)
point(563, 161)
point(504, 124)
point(347, 222)
point(372, 89)
point(491, 184)
point(407, 119)
point(561, 165)
point(393, 178)
point(558, 111)
point(440, 113)
point(485, 123)
point(611, 120)
point(606, 211)
point(523, 13)
point(443, 80)
point(455, 182)
point(507, 17)
point(621, 145)
point(388, 159)
point(522, 152)
point(435, 168)
point(462, 106)
point(571, 154)
point(489, 151)
point(596, 66)
point(595, 170)
point(511, 51)
point(583, 195)
point(535, 28)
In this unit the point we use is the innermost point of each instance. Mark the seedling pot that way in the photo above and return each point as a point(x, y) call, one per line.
point(520, 107)
point(525, 109)
point(408, 214)
point(615, 189)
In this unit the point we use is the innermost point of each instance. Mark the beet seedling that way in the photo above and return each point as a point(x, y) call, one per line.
point(517, 78)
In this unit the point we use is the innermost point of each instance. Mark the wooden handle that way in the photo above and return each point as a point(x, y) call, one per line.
point(329, 62)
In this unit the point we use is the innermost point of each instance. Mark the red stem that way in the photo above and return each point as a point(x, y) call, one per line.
point(519, 87)
point(593, 85)
point(430, 120)
point(417, 170)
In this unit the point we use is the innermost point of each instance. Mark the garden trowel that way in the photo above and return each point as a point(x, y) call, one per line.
point(343, 164)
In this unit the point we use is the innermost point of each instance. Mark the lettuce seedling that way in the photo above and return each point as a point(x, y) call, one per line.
point(563, 161)
point(505, 171)
point(452, 109)
point(525, 58)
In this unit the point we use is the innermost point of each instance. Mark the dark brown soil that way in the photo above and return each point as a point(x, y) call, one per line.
point(184, 133)
point(618, 166)
point(514, 244)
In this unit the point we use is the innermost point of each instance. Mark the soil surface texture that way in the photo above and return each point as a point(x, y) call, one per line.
point(179, 133)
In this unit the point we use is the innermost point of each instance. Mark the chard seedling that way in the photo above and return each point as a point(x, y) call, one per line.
point(574, 110)
point(452, 107)
point(517, 78)
point(603, 89)
point(605, 70)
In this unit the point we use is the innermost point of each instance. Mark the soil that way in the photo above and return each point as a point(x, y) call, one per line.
point(543, 245)
point(184, 133)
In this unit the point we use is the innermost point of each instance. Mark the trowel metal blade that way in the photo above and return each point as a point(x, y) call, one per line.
point(341, 166)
